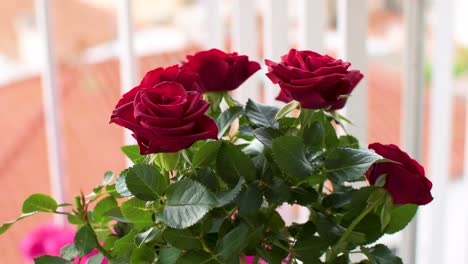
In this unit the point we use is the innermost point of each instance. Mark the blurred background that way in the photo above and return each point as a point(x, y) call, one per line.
point(92, 58)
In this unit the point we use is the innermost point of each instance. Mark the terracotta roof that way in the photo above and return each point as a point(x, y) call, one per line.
point(91, 145)
point(76, 25)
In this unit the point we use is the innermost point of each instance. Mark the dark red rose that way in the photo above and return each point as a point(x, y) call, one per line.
point(316, 81)
point(163, 116)
point(406, 180)
point(188, 79)
point(220, 71)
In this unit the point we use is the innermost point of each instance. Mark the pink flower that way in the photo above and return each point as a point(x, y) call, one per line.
point(250, 260)
point(48, 239)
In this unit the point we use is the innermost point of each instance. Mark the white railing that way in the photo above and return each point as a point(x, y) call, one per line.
point(51, 105)
point(352, 26)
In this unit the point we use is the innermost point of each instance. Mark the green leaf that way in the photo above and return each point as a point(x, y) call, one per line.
point(206, 154)
point(51, 260)
point(121, 185)
point(215, 99)
point(331, 139)
point(309, 248)
point(250, 200)
point(169, 255)
point(289, 154)
point(346, 164)
point(187, 202)
point(142, 255)
point(349, 141)
point(5, 226)
point(124, 244)
point(133, 153)
point(266, 135)
point(226, 118)
point(260, 114)
point(314, 136)
point(102, 207)
point(380, 182)
point(85, 241)
point(123, 259)
point(400, 216)
point(69, 252)
point(232, 164)
point(385, 213)
point(229, 195)
point(147, 236)
point(95, 259)
point(278, 192)
point(286, 109)
point(381, 254)
point(233, 242)
point(116, 214)
point(195, 257)
point(135, 211)
point(145, 182)
point(169, 161)
point(39, 203)
point(371, 227)
point(74, 219)
point(108, 177)
point(182, 239)
point(328, 228)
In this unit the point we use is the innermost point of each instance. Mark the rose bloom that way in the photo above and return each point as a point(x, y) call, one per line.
point(220, 71)
point(405, 181)
point(165, 116)
point(316, 81)
point(49, 239)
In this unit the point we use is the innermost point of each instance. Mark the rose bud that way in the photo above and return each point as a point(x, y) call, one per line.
point(316, 81)
point(405, 178)
point(220, 71)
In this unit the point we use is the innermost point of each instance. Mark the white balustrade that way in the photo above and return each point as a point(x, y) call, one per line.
point(440, 125)
point(51, 100)
point(128, 66)
point(352, 27)
point(412, 105)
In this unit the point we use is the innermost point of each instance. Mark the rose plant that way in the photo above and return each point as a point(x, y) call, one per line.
point(209, 173)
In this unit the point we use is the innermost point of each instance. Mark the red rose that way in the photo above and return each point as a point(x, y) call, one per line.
point(220, 71)
point(316, 81)
point(190, 80)
point(405, 181)
point(162, 115)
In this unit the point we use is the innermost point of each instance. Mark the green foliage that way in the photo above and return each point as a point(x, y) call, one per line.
point(145, 182)
point(380, 254)
point(135, 211)
point(217, 200)
point(260, 114)
point(232, 243)
point(133, 153)
point(226, 118)
point(347, 164)
point(232, 164)
point(286, 109)
point(289, 154)
point(187, 202)
point(39, 203)
point(206, 153)
point(85, 240)
point(51, 260)
point(400, 216)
